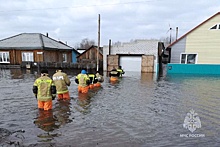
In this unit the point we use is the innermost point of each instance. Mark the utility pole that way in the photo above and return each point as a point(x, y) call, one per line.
point(98, 43)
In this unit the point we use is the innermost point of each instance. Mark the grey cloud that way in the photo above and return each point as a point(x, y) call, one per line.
point(72, 21)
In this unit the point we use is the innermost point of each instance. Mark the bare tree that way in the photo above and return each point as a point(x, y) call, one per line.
point(118, 43)
point(86, 43)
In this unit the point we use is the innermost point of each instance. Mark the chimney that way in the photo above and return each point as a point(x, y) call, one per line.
point(47, 34)
point(109, 51)
point(176, 33)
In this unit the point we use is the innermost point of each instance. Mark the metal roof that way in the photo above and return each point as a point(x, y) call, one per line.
point(93, 46)
point(32, 41)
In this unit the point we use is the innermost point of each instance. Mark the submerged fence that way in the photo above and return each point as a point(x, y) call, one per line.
point(53, 65)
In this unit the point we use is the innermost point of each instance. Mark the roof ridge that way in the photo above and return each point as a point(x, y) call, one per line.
point(60, 42)
point(10, 37)
point(41, 40)
point(218, 13)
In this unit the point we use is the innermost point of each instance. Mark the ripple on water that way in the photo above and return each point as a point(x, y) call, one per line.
point(139, 110)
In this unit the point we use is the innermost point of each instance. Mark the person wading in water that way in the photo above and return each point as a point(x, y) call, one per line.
point(44, 90)
point(61, 81)
point(83, 82)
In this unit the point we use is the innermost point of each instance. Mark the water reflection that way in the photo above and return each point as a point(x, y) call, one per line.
point(53, 119)
point(62, 112)
point(114, 82)
point(84, 103)
point(83, 100)
point(15, 73)
point(140, 110)
point(46, 121)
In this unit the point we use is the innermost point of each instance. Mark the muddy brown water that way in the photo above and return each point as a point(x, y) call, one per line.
point(140, 110)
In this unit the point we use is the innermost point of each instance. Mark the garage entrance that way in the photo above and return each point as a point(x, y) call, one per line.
point(137, 63)
point(130, 63)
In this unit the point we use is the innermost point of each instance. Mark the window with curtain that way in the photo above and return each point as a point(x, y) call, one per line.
point(64, 57)
point(4, 57)
point(27, 56)
point(188, 58)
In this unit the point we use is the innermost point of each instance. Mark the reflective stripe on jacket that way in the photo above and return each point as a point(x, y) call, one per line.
point(61, 82)
point(92, 78)
point(83, 78)
point(120, 71)
point(114, 73)
point(99, 77)
point(44, 84)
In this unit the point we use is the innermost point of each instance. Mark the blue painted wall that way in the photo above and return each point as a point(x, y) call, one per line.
point(74, 55)
point(193, 68)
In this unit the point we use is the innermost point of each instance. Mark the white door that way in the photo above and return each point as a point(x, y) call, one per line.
point(130, 63)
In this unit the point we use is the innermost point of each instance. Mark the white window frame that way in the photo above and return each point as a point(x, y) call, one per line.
point(27, 56)
point(64, 57)
point(6, 56)
point(218, 27)
point(196, 59)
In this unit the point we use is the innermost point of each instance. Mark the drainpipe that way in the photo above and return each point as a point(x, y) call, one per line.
point(160, 48)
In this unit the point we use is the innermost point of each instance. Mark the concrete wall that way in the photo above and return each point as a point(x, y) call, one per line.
point(147, 64)
point(145, 47)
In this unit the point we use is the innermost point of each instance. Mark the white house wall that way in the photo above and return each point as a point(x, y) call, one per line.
point(177, 49)
point(146, 47)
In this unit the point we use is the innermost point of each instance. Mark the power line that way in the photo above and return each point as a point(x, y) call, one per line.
point(125, 3)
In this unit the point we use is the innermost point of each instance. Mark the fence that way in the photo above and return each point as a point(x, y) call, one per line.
point(59, 64)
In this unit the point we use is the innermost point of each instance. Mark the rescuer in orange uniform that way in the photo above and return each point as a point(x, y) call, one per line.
point(83, 82)
point(114, 74)
point(92, 78)
point(121, 71)
point(61, 81)
point(99, 79)
point(44, 90)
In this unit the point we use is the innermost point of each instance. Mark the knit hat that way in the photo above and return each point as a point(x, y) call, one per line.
point(83, 72)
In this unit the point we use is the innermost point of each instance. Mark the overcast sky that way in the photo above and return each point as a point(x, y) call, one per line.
point(71, 21)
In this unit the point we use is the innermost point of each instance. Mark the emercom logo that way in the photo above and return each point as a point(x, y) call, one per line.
point(192, 122)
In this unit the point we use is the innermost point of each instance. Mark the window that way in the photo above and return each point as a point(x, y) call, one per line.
point(27, 56)
point(183, 58)
point(64, 57)
point(4, 57)
point(188, 58)
point(215, 27)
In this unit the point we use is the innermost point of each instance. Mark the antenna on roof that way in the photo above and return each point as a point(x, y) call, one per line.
point(170, 30)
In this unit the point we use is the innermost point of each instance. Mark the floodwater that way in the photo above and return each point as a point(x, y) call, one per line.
point(141, 110)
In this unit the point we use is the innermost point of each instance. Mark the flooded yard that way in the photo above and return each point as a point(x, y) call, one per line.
point(141, 110)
